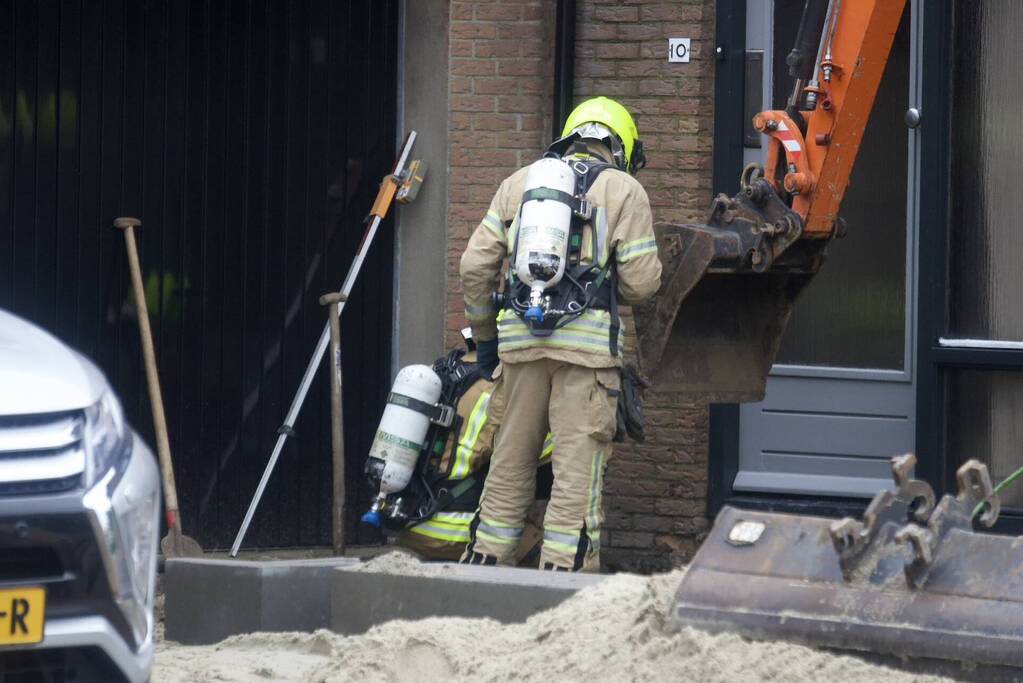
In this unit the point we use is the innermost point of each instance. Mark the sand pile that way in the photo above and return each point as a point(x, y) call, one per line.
point(399, 562)
point(615, 630)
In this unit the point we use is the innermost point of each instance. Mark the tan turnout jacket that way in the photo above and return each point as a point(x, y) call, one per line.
point(623, 228)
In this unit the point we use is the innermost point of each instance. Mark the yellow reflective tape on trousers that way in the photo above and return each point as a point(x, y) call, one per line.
point(476, 309)
point(562, 539)
point(498, 532)
point(470, 435)
point(637, 247)
point(496, 225)
point(548, 446)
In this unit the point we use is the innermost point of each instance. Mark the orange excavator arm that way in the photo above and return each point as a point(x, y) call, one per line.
point(857, 39)
point(729, 284)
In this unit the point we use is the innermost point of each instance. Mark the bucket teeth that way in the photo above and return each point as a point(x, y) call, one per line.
point(847, 535)
point(975, 488)
point(920, 541)
point(861, 546)
point(952, 513)
point(902, 468)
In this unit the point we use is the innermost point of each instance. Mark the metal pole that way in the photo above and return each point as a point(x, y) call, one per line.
point(378, 211)
point(337, 443)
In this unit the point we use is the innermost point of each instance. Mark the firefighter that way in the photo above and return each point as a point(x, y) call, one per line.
point(430, 502)
point(555, 327)
point(467, 451)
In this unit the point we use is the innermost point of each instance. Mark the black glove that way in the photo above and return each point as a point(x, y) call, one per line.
point(486, 357)
point(630, 405)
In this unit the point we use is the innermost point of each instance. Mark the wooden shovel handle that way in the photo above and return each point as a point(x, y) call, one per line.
point(170, 494)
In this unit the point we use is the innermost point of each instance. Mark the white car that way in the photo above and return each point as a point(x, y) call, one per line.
point(79, 518)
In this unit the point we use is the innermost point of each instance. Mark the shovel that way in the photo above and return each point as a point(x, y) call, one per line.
point(174, 544)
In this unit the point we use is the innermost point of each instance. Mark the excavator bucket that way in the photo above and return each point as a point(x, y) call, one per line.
point(726, 294)
point(912, 580)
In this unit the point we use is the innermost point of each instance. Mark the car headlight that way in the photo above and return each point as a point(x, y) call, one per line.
point(108, 439)
point(127, 520)
point(138, 519)
point(124, 497)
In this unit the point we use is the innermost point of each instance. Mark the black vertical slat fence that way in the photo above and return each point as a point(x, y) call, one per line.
point(249, 136)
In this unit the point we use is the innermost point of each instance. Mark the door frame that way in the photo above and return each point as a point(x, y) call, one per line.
point(929, 84)
point(935, 464)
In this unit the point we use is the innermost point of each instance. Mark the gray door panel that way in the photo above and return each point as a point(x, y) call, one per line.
point(822, 435)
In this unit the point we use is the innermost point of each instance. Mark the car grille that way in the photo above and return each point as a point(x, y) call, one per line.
point(41, 454)
point(67, 665)
point(30, 564)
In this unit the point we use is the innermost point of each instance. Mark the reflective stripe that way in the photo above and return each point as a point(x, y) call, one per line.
point(590, 331)
point(562, 539)
point(454, 517)
point(479, 309)
point(561, 340)
point(513, 233)
point(603, 324)
point(567, 331)
point(561, 536)
point(446, 526)
point(496, 225)
point(470, 435)
point(600, 218)
point(442, 533)
point(564, 339)
point(593, 500)
point(498, 532)
point(637, 247)
point(548, 447)
point(516, 528)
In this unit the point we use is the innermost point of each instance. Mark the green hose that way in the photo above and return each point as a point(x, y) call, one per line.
point(1002, 484)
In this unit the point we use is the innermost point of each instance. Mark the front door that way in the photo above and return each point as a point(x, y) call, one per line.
point(841, 398)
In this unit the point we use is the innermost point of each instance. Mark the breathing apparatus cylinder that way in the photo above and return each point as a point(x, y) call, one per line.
point(543, 232)
point(399, 438)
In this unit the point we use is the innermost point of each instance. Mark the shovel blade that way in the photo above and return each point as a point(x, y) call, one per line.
point(787, 585)
point(176, 544)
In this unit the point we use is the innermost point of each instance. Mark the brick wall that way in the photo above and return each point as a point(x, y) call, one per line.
point(500, 86)
point(655, 492)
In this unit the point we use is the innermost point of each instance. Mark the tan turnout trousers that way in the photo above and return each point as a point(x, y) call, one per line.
point(578, 403)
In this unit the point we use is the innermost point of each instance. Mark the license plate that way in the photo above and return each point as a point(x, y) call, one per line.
point(21, 615)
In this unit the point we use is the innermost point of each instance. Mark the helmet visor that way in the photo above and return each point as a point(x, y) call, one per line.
point(598, 131)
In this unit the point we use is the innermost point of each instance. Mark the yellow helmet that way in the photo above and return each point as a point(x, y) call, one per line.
point(617, 118)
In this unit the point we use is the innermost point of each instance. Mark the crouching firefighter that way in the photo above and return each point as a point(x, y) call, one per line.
point(430, 455)
point(576, 228)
